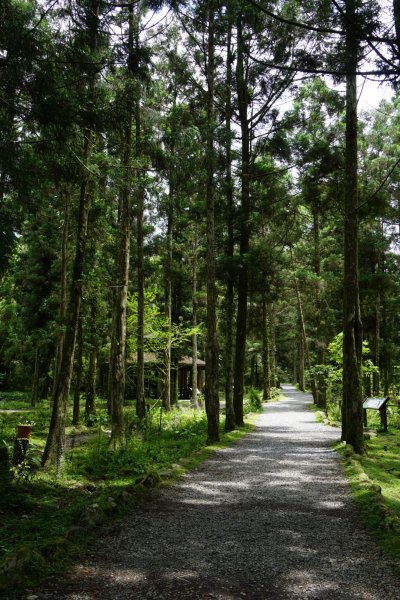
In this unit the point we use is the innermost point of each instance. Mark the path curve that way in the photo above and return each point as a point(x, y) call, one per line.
point(268, 518)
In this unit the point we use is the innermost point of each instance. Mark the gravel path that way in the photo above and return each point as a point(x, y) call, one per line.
point(270, 517)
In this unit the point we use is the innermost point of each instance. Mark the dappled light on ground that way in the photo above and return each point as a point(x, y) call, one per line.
point(268, 518)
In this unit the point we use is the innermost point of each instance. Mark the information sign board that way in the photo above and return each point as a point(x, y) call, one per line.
point(376, 403)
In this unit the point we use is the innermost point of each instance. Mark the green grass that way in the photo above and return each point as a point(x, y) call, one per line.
point(39, 514)
point(374, 478)
point(15, 400)
point(375, 486)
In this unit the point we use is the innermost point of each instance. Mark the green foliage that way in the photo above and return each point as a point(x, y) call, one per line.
point(253, 401)
point(99, 418)
point(161, 439)
point(333, 372)
point(159, 333)
point(24, 472)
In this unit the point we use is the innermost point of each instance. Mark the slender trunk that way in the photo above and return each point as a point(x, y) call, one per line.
point(140, 395)
point(63, 284)
point(211, 388)
point(118, 339)
point(90, 404)
point(35, 384)
point(230, 420)
point(241, 321)
point(272, 318)
point(111, 362)
point(90, 394)
point(78, 375)
point(253, 371)
point(54, 451)
point(352, 416)
point(295, 378)
point(168, 297)
point(300, 355)
point(266, 352)
point(377, 335)
point(396, 13)
point(194, 321)
point(305, 354)
point(55, 445)
point(320, 384)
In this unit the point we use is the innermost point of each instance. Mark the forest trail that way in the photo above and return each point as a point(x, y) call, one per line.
point(268, 518)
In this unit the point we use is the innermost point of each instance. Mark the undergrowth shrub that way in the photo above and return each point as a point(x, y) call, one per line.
point(153, 444)
point(253, 401)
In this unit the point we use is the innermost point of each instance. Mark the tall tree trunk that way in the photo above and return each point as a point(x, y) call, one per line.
point(35, 384)
point(320, 385)
point(111, 359)
point(377, 331)
point(266, 352)
point(396, 13)
point(241, 320)
point(300, 355)
point(78, 375)
point(168, 297)
point(272, 318)
point(211, 387)
point(295, 353)
point(352, 416)
point(140, 394)
point(54, 451)
point(63, 283)
point(90, 392)
point(230, 420)
point(90, 403)
point(118, 338)
point(194, 320)
point(305, 354)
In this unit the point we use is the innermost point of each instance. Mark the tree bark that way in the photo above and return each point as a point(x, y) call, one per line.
point(241, 320)
point(90, 393)
point(54, 451)
point(377, 333)
point(78, 375)
point(266, 352)
point(230, 420)
point(211, 386)
point(303, 346)
point(118, 339)
point(168, 296)
point(352, 416)
point(63, 285)
point(35, 384)
point(195, 403)
point(300, 355)
point(55, 445)
point(320, 386)
point(140, 393)
point(140, 397)
point(272, 318)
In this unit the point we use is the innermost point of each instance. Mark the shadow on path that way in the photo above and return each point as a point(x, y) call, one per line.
point(270, 517)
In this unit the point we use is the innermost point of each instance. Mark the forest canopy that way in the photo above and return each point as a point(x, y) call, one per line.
point(189, 179)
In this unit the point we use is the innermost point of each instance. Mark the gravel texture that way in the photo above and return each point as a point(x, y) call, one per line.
point(270, 517)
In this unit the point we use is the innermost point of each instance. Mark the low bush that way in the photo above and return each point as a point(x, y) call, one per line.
point(253, 401)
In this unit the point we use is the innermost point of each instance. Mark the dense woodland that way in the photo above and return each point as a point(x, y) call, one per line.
point(195, 179)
